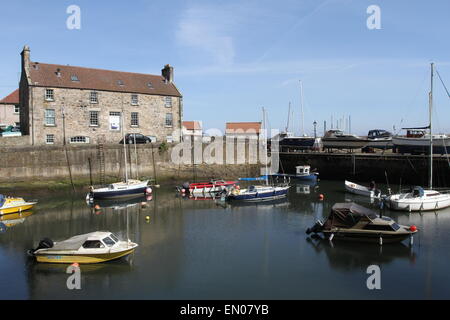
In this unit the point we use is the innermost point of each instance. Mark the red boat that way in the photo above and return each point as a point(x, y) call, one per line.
point(211, 187)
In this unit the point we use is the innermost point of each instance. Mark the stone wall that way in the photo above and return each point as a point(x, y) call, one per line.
point(33, 163)
point(76, 105)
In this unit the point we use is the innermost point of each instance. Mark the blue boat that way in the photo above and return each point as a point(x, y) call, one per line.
point(301, 173)
point(261, 178)
point(259, 193)
point(131, 188)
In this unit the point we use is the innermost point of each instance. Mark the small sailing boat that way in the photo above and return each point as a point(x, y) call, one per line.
point(350, 221)
point(94, 247)
point(262, 192)
point(127, 188)
point(419, 199)
point(12, 205)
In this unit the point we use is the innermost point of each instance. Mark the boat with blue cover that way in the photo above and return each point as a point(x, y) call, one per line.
point(301, 173)
point(259, 193)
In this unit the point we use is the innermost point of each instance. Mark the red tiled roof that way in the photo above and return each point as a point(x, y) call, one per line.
point(232, 127)
point(12, 98)
point(192, 125)
point(45, 75)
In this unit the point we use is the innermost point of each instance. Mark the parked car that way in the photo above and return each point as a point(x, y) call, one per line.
point(152, 138)
point(139, 138)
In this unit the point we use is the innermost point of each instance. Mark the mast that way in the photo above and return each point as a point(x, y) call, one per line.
point(301, 100)
point(288, 118)
point(431, 122)
point(265, 145)
point(124, 147)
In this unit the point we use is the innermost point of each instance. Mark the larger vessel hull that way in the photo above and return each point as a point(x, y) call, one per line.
point(421, 145)
point(260, 196)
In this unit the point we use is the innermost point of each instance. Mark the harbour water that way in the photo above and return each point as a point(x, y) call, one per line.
point(206, 249)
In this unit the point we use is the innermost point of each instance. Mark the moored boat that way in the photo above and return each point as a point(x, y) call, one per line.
point(350, 221)
point(14, 204)
point(418, 199)
point(371, 191)
point(127, 189)
point(301, 173)
point(337, 139)
point(259, 193)
point(379, 139)
point(94, 247)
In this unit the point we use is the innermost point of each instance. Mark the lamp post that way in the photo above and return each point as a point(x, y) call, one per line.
point(315, 129)
point(64, 125)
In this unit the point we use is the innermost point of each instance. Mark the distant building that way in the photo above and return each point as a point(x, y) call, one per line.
point(192, 129)
point(9, 110)
point(85, 105)
point(243, 130)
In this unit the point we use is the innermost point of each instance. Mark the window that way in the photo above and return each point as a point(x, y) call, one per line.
point(120, 82)
point(134, 99)
point(49, 95)
point(134, 119)
point(114, 237)
point(114, 121)
point(168, 102)
point(93, 118)
point(50, 139)
point(94, 97)
point(108, 241)
point(169, 139)
point(79, 139)
point(16, 109)
point(74, 78)
point(93, 244)
point(50, 117)
point(149, 84)
point(169, 119)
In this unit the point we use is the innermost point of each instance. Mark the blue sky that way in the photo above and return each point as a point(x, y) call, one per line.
point(233, 57)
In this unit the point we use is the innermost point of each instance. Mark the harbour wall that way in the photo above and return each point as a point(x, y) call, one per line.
point(81, 162)
point(362, 167)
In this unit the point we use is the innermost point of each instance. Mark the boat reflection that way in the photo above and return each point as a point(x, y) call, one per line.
point(118, 204)
point(278, 203)
point(350, 256)
point(13, 219)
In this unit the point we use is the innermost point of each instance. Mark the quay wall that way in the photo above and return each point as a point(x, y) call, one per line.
point(41, 163)
point(361, 167)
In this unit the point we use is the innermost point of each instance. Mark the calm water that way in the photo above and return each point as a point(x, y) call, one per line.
point(201, 249)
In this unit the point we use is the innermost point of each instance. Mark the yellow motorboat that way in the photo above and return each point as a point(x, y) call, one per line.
point(94, 247)
point(12, 205)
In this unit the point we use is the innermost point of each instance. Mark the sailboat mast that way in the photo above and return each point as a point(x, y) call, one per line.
point(288, 118)
point(124, 147)
point(431, 122)
point(265, 145)
point(301, 100)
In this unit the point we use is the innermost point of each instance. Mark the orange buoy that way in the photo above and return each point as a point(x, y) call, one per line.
point(97, 207)
point(413, 228)
point(321, 196)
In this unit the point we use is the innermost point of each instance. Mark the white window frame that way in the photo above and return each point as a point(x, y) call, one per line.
point(49, 95)
point(47, 117)
point(79, 140)
point(91, 112)
point(167, 120)
point(168, 101)
point(134, 100)
point(50, 139)
point(136, 119)
point(16, 109)
point(93, 97)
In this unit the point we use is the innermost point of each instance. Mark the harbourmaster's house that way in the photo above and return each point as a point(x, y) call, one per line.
point(85, 105)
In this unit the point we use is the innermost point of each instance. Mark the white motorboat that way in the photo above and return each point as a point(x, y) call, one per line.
point(379, 139)
point(337, 139)
point(419, 199)
point(417, 141)
point(362, 190)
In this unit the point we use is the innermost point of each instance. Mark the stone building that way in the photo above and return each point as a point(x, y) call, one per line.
point(243, 130)
point(66, 104)
point(9, 110)
point(192, 129)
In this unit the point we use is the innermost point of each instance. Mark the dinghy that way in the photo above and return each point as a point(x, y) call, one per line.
point(362, 190)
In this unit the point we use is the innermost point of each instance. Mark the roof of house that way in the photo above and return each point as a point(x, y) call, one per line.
point(46, 75)
point(12, 98)
point(192, 125)
point(232, 127)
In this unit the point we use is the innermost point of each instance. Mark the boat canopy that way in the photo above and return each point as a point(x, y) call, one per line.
point(349, 214)
point(76, 242)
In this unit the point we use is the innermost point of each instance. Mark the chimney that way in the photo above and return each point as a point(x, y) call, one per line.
point(167, 73)
point(25, 58)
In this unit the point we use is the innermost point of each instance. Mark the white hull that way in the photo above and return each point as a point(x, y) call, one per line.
point(438, 141)
point(359, 190)
point(428, 202)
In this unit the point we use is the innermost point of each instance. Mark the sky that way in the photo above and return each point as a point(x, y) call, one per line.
point(232, 58)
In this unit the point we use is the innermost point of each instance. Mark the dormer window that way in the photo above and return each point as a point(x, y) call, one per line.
point(149, 84)
point(74, 78)
point(120, 82)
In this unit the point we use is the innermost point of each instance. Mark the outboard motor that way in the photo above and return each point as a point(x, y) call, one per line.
point(45, 243)
point(315, 228)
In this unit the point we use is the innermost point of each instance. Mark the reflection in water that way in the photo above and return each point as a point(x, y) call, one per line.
point(210, 249)
point(12, 219)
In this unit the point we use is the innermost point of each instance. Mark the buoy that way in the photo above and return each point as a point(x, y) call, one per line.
point(413, 228)
point(147, 218)
point(237, 187)
point(183, 190)
point(148, 190)
point(97, 207)
point(321, 196)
